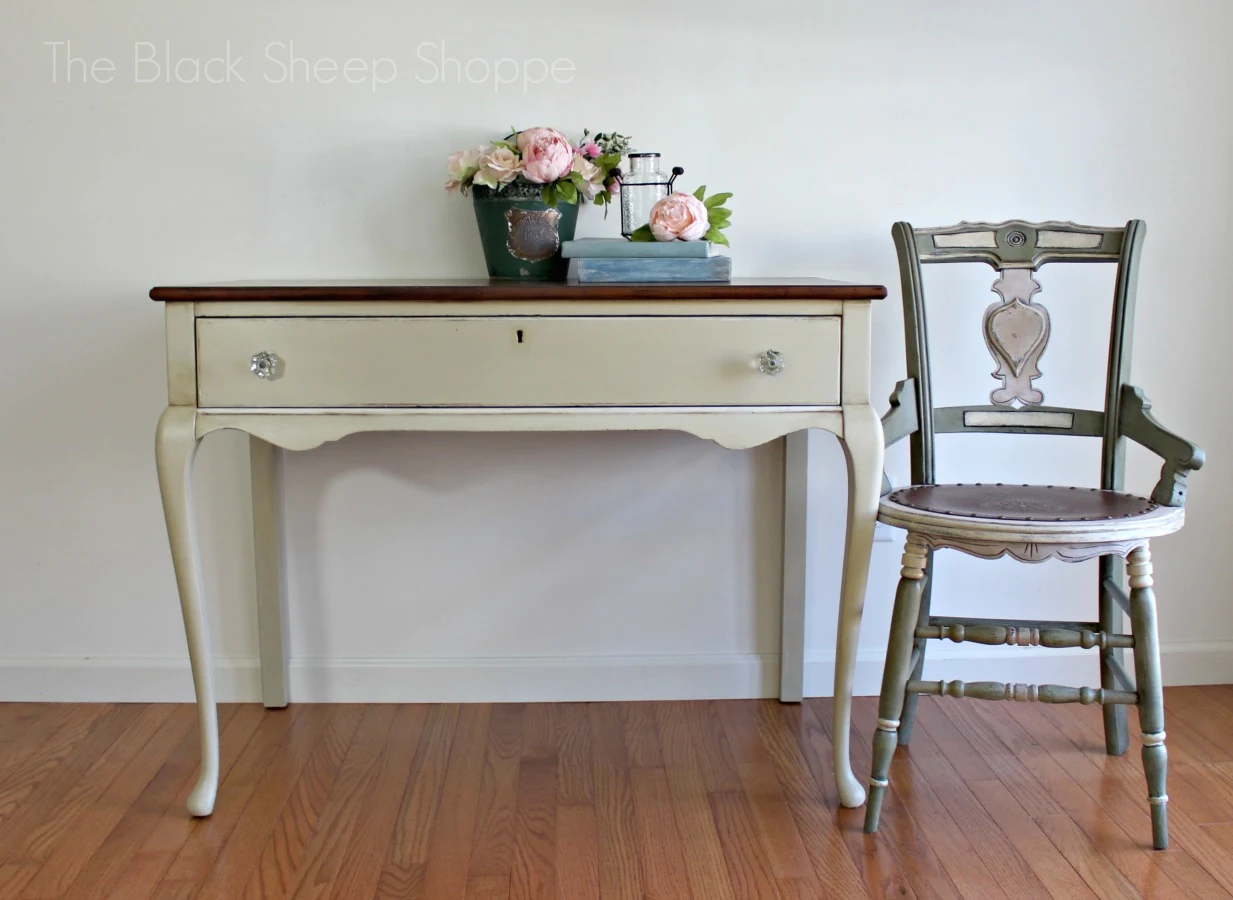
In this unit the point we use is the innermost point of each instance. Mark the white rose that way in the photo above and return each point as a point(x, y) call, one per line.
point(498, 166)
point(592, 174)
point(462, 166)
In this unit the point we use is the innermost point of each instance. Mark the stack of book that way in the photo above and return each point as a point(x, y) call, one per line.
point(608, 260)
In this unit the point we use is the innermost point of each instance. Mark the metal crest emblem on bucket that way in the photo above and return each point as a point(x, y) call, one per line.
point(533, 233)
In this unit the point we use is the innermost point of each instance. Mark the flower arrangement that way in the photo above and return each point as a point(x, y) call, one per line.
point(687, 217)
point(565, 172)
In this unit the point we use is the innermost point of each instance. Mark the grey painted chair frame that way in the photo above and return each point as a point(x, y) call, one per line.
point(1126, 416)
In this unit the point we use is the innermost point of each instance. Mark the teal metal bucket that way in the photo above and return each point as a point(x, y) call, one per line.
point(521, 234)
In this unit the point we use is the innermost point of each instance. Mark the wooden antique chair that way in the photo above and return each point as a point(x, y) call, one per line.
point(1029, 523)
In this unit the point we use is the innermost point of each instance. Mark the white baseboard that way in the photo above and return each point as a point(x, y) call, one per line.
point(525, 679)
point(495, 680)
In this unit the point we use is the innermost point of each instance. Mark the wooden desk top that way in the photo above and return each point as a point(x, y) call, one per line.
point(480, 289)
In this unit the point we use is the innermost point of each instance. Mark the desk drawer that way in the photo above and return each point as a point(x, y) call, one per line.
point(518, 361)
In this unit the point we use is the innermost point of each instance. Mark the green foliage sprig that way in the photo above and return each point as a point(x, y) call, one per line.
point(717, 214)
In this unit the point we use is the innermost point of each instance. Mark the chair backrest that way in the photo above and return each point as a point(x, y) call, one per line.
point(1016, 330)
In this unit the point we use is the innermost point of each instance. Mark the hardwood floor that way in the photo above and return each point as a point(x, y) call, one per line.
point(707, 800)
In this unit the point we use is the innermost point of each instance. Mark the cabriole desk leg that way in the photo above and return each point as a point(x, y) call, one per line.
point(862, 445)
point(175, 445)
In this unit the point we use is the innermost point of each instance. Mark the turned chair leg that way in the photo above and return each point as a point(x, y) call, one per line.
point(919, 646)
point(895, 674)
point(1117, 737)
point(1151, 693)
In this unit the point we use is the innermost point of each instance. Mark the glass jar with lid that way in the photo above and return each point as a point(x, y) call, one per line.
point(641, 188)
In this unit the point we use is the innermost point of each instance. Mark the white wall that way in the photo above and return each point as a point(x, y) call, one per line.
point(600, 566)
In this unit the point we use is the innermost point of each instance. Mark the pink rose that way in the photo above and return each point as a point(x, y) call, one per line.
point(679, 216)
point(546, 155)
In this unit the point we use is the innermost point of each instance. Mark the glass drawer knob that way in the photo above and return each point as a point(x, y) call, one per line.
point(772, 362)
point(266, 365)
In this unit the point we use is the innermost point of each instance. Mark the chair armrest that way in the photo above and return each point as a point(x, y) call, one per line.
point(1180, 455)
point(900, 420)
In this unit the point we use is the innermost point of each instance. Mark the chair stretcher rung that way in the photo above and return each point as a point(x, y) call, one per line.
point(992, 632)
point(1044, 693)
point(1114, 590)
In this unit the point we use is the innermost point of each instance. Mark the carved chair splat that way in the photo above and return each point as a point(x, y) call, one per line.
point(1030, 523)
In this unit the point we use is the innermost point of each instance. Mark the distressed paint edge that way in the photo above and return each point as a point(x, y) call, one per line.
point(1018, 418)
point(984, 239)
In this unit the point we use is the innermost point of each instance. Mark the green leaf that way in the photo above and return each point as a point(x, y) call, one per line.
point(719, 214)
point(700, 192)
point(717, 237)
point(567, 191)
point(608, 162)
point(715, 200)
point(577, 179)
point(506, 144)
point(549, 195)
point(643, 234)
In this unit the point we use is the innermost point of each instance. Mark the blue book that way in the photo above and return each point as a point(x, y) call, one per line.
point(601, 271)
point(619, 248)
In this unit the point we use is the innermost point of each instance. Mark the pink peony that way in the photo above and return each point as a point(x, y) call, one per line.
point(679, 216)
point(546, 155)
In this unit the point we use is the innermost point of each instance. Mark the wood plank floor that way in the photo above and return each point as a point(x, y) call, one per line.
point(707, 800)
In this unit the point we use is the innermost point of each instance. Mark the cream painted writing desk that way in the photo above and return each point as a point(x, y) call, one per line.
point(296, 365)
